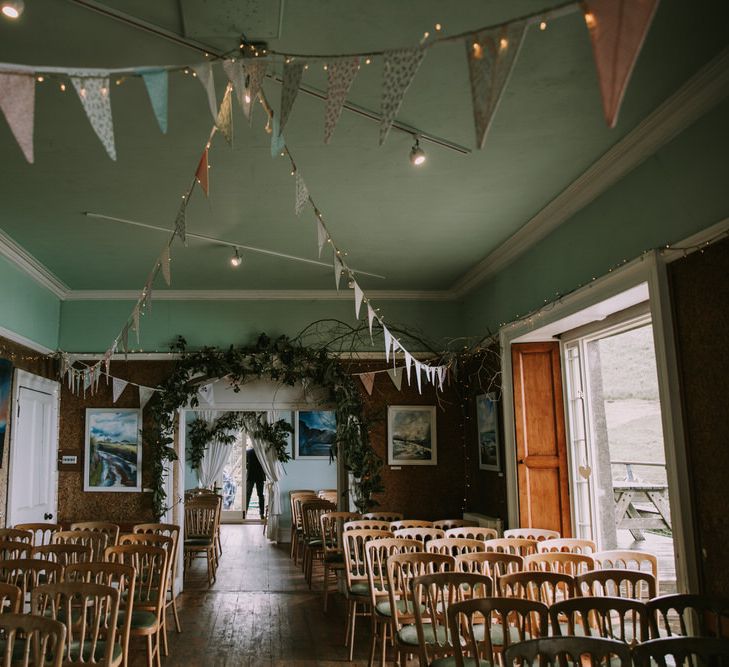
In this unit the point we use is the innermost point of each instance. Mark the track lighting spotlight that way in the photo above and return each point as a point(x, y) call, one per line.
point(12, 9)
point(417, 154)
point(236, 260)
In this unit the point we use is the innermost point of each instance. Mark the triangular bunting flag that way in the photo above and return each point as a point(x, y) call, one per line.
point(204, 73)
point(418, 368)
point(617, 30)
point(117, 387)
point(368, 380)
point(408, 364)
point(145, 393)
point(322, 234)
point(157, 82)
point(491, 56)
point(201, 173)
point(396, 377)
point(94, 95)
point(338, 268)
point(278, 143)
point(441, 376)
point(340, 75)
point(302, 193)
point(256, 72)
point(358, 296)
point(224, 121)
point(135, 321)
point(237, 76)
point(400, 68)
point(88, 379)
point(180, 222)
point(206, 393)
point(17, 101)
point(388, 342)
point(292, 72)
point(164, 263)
point(370, 317)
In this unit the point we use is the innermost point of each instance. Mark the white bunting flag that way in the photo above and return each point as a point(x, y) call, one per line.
point(370, 317)
point(145, 393)
point(322, 235)
point(94, 95)
point(408, 364)
point(491, 56)
point(302, 193)
point(388, 342)
point(256, 72)
point(368, 380)
point(400, 68)
point(224, 120)
point(441, 376)
point(88, 379)
point(418, 368)
point(338, 268)
point(17, 101)
point(396, 377)
point(292, 73)
point(340, 75)
point(237, 76)
point(205, 392)
point(164, 263)
point(358, 296)
point(204, 72)
point(117, 388)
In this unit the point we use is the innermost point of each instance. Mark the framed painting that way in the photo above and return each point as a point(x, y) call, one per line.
point(488, 432)
point(315, 433)
point(411, 435)
point(6, 384)
point(113, 450)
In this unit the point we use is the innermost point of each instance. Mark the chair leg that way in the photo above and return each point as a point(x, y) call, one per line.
point(165, 648)
point(350, 603)
point(178, 627)
point(150, 652)
point(326, 586)
point(351, 637)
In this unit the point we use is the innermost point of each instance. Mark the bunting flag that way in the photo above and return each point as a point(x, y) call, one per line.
point(441, 376)
point(370, 317)
point(156, 82)
point(135, 321)
point(491, 55)
point(358, 297)
point(401, 65)
point(94, 95)
point(256, 73)
point(408, 364)
point(201, 173)
point(302, 193)
point(340, 76)
point(237, 76)
point(617, 31)
point(224, 120)
point(292, 73)
point(204, 72)
point(117, 388)
point(180, 222)
point(418, 368)
point(17, 101)
point(368, 380)
point(164, 263)
point(278, 143)
point(322, 235)
point(145, 393)
point(338, 268)
point(206, 393)
point(388, 341)
point(88, 379)
point(396, 377)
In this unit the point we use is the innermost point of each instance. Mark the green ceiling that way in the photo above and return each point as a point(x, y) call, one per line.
point(423, 228)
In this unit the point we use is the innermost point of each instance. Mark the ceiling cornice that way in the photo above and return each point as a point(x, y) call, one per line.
point(31, 266)
point(24, 341)
point(258, 295)
point(698, 95)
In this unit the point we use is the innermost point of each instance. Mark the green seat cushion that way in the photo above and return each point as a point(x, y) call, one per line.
point(198, 542)
point(359, 589)
point(497, 634)
point(384, 609)
point(141, 618)
point(408, 634)
point(99, 652)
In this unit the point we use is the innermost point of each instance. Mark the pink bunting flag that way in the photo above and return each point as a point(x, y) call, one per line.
point(201, 173)
point(224, 120)
point(293, 71)
point(400, 68)
point(368, 380)
point(164, 262)
point(340, 76)
point(617, 30)
point(17, 101)
point(302, 194)
point(396, 377)
point(94, 95)
point(358, 297)
point(204, 73)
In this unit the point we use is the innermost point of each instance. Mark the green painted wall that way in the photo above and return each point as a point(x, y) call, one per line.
point(678, 191)
point(90, 326)
point(26, 308)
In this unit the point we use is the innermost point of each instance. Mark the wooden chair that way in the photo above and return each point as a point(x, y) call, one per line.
point(311, 512)
point(63, 554)
point(537, 534)
point(42, 532)
point(490, 563)
point(368, 524)
point(685, 614)
point(96, 539)
point(634, 584)
point(27, 574)
point(89, 612)
point(201, 517)
point(447, 524)
point(628, 559)
point(32, 641)
point(12, 550)
point(623, 619)
point(560, 562)
point(423, 535)
point(329, 495)
point(16, 535)
point(10, 598)
point(297, 527)
point(570, 545)
point(472, 533)
point(488, 626)
point(572, 651)
point(358, 586)
point(544, 587)
point(409, 523)
point(454, 546)
point(682, 651)
point(331, 530)
point(512, 545)
point(110, 529)
point(120, 577)
point(383, 516)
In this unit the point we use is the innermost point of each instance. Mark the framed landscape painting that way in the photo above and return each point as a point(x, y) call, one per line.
point(113, 450)
point(411, 435)
point(315, 433)
point(488, 432)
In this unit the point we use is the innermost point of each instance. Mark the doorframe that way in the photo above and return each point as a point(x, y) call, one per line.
point(650, 268)
point(25, 380)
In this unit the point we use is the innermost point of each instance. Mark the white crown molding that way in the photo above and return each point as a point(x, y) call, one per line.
point(25, 342)
point(258, 295)
point(698, 95)
point(31, 266)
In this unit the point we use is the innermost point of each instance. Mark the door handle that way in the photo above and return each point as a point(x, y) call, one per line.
point(520, 461)
point(47, 516)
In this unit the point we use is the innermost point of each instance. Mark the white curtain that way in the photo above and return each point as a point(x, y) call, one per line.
point(215, 455)
point(274, 471)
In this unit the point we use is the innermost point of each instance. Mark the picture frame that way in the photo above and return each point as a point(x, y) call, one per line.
point(315, 432)
point(113, 450)
point(487, 420)
point(411, 435)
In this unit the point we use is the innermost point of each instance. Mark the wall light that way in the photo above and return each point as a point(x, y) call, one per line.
point(236, 260)
point(12, 9)
point(417, 154)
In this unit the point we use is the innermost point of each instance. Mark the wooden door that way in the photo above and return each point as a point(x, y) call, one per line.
point(541, 446)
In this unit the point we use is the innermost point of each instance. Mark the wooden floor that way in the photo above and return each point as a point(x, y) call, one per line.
point(259, 613)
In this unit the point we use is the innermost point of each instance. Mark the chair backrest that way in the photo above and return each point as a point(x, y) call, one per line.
point(685, 614)
point(623, 619)
point(690, 651)
point(31, 641)
point(447, 524)
point(296, 498)
point(10, 598)
point(42, 532)
point(150, 569)
point(563, 651)
point(355, 557)
point(410, 523)
point(92, 634)
point(571, 545)
point(628, 559)
point(96, 539)
point(560, 562)
point(635, 584)
point(12, 549)
point(328, 494)
point(311, 511)
point(63, 554)
point(110, 529)
point(455, 546)
point(537, 534)
point(520, 546)
point(377, 553)
point(546, 587)
point(472, 533)
point(201, 517)
point(490, 563)
point(367, 524)
point(424, 535)
point(332, 527)
point(171, 530)
point(474, 620)
point(28, 573)
point(383, 516)
point(16, 535)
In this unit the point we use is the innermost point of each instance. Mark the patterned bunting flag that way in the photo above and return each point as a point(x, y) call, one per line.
point(400, 68)
point(256, 72)
point(340, 76)
point(180, 221)
point(17, 101)
point(204, 73)
point(368, 380)
point(157, 84)
point(358, 297)
point(164, 263)
point(201, 173)
point(237, 76)
point(292, 73)
point(302, 193)
point(117, 387)
point(338, 268)
point(617, 31)
point(145, 393)
point(224, 121)
point(491, 55)
point(94, 95)
point(321, 234)
point(396, 377)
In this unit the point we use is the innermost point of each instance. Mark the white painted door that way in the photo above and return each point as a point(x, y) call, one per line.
point(32, 482)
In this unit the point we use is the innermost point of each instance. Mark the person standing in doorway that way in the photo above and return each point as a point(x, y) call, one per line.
point(254, 477)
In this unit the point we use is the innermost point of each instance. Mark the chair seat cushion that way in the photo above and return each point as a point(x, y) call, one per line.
point(141, 619)
point(359, 590)
point(198, 542)
point(384, 608)
point(408, 634)
point(98, 652)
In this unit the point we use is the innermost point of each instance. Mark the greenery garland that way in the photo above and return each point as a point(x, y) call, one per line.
point(281, 360)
